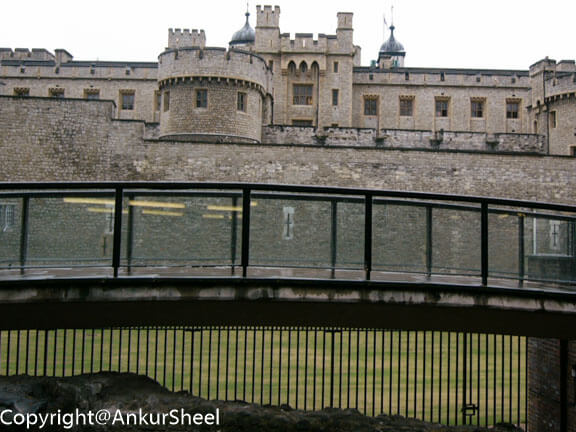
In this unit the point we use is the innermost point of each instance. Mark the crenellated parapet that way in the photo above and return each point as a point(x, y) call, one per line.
point(561, 85)
point(186, 38)
point(37, 54)
point(340, 43)
point(266, 16)
point(212, 63)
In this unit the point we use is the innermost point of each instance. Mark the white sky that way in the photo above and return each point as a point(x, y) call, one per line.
point(499, 34)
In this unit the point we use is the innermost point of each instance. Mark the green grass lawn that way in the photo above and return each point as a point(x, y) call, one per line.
point(416, 374)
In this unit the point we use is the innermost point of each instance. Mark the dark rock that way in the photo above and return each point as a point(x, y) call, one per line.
point(129, 393)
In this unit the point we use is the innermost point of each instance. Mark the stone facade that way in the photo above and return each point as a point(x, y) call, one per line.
point(276, 80)
point(212, 94)
point(405, 138)
point(544, 385)
point(54, 140)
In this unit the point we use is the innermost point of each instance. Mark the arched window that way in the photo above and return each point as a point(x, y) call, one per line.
point(303, 67)
point(292, 67)
point(315, 68)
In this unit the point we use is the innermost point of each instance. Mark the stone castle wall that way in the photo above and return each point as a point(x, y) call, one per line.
point(220, 120)
point(212, 62)
point(458, 88)
point(404, 138)
point(42, 72)
point(66, 140)
point(544, 385)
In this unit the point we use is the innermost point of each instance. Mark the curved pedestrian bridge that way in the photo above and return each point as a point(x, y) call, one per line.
point(113, 253)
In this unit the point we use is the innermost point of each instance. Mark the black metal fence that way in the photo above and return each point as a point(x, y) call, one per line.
point(444, 377)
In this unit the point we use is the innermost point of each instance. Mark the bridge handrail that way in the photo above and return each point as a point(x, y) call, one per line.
point(180, 186)
point(246, 191)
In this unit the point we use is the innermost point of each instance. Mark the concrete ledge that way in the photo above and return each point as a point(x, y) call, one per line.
point(103, 302)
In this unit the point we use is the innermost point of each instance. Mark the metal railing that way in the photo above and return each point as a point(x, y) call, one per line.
point(452, 233)
point(442, 377)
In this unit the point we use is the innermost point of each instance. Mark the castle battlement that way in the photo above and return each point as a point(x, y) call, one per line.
point(540, 66)
point(35, 54)
point(304, 42)
point(40, 54)
point(212, 62)
point(566, 66)
point(185, 38)
point(345, 20)
point(562, 85)
point(267, 17)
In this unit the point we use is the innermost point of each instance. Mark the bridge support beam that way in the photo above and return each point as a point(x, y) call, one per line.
point(88, 303)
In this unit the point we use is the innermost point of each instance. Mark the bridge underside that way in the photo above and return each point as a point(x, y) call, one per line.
point(103, 302)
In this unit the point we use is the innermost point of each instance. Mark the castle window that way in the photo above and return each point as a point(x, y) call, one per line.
point(407, 76)
point(201, 98)
point(512, 109)
point(406, 106)
point(477, 108)
point(442, 107)
point(21, 91)
point(56, 92)
point(303, 67)
point(127, 100)
point(241, 102)
point(166, 101)
point(335, 67)
point(302, 123)
point(552, 119)
point(370, 106)
point(91, 94)
point(335, 97)
point(292, 68)
point(157, 100)
point(302, 94)
point(7, 216)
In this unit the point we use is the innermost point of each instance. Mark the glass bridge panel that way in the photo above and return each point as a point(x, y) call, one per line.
point(183, 232)
point(69, 229)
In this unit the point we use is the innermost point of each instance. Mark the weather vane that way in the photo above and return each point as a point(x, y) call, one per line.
point(391, 19)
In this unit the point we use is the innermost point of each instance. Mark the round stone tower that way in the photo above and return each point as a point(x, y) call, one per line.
point(211, 94)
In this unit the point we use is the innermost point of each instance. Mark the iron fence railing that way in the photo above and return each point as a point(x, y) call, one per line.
point(444, 377)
